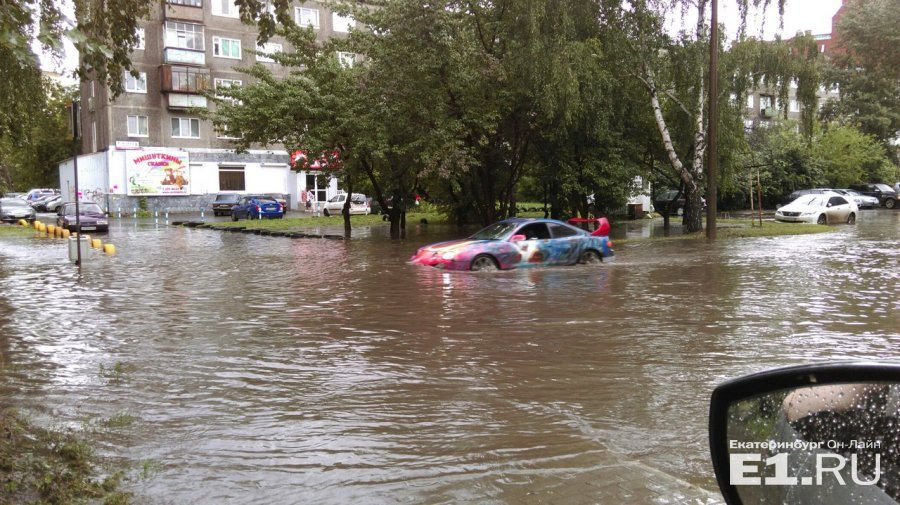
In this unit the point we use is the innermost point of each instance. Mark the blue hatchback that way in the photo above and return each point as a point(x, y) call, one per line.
point(257, 207)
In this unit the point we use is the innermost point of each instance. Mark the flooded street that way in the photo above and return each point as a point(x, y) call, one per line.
point(231, 368)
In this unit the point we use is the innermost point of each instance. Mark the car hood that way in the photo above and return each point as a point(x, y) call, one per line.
point(454, 245)
point(800, 207)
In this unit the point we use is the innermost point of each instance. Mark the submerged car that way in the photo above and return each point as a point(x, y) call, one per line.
point(518, 243)
point(13, 209)
point(826, 208)
point(359, 204)
point(90, 216)
point(257, 207)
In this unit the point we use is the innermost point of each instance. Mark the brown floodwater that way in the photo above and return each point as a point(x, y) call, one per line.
point(222, 367)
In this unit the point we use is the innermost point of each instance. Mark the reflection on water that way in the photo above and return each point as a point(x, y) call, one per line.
point(263, 369)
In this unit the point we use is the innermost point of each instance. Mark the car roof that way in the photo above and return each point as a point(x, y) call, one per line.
point(533, 220)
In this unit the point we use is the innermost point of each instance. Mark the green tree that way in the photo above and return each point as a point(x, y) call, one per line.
point(865, 66)
point(786, 161)
point(849, 156)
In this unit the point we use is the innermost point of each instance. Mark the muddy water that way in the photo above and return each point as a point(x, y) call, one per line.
point(222, 367)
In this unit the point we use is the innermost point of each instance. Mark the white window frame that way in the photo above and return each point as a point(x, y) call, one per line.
point(136, 84)
point(342, 24)
point(219, 6)
point(141, 39)
point(224, 82)
point(185, 35)
point(266, 49)
point(750, 101)
point(181, 122)
point(313, 14)
point(346, 59)
point(794, 105)
point(222, 133)
point(137, 125)
point(220, 42)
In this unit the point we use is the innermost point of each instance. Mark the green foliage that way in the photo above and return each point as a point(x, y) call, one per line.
point(786, 162)
point(849, 156)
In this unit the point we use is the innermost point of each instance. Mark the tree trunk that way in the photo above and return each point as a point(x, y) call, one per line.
point(348, 181)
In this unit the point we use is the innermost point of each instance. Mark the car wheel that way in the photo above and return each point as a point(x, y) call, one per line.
point(822, 219)
point(851, 219)
point(234, 216)
point(483, 262)
point(890, 203)
point(680, 211)
point(325, 212)
point(590, 257)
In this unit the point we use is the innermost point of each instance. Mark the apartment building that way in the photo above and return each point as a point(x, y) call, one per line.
point(139, 144)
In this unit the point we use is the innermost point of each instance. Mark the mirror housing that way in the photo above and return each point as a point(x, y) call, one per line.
point(771, 394)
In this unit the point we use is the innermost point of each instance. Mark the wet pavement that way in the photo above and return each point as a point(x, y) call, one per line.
point(221, 367)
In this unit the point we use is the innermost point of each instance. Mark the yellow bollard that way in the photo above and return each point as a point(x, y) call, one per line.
point(37, 225)
point(23, 222)
point(51, 229)
point(109, 249)
point(42, 228)
point(59, 231)
point(65, 233)
point(96, 243)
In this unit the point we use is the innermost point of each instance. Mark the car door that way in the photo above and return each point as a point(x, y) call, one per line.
point(838, 209)
point(536, 249)
point(565, 245)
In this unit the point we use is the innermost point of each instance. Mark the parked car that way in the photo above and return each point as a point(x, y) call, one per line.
point(885, 194)
point(279, 197)
point(38, 193)
point(42, 204)
point(826, 208)
point(223, 203)
point(517, 243)
point(91, 217)
point(13, 209)
point(359, 204)
point(666, 200)
point(256, 207)
point(53, 205)
point(862, 201)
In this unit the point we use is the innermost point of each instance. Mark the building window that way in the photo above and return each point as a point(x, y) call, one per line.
point(346, 59)
point(749, 101)
point(184, 79)
point(138, 126)
point(191, 3)
point(231, 179)
point(765, 102)
point(267, 49)
point(222, 132)
point(136, 84)
point(341, 23)
point(748, 124)
point(224, 8)
point(795, 105)
point(227, 83)
point(227, 48)
point(141, 39)
point(185, 127)
point(307, 17)
point(184, 35)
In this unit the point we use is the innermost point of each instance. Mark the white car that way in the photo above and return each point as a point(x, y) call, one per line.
point(359, 204)
point(826, 208)
point(862, 201)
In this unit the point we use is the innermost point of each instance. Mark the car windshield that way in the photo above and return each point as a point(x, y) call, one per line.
point(495, 231)
point(884, 187)
point(264, 200)
point(811, 200)
point(226, 198)
point(85, 208)
point(13, 202)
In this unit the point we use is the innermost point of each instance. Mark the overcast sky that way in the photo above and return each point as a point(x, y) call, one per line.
point(799, 15)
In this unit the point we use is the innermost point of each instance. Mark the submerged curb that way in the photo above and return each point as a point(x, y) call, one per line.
point(257, 231)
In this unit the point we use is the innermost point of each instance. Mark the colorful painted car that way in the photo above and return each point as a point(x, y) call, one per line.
point(518, 243)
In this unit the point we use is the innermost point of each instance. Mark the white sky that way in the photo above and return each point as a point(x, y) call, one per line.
point(799, 15)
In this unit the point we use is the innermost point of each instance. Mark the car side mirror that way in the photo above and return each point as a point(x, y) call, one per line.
point(824, 433)
point(517, 238)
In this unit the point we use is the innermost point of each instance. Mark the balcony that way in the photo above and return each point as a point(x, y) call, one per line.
point(180, 101)
point(188, 10)
point(177, 79)
point(187, 56)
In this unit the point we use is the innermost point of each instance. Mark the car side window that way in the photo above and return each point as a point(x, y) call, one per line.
point(836, 200)
point(562, 231)
point(535, 231)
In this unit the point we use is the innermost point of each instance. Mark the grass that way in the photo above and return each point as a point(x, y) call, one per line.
point(741, 228)
point(39, 465)
point(15, 230)
point(305, 222)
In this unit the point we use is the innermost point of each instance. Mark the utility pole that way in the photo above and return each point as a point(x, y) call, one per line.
point(712, 150)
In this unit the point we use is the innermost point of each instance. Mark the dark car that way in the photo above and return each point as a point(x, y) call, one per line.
point(223, 203)
point(666, 202)
point(884, 193)
point(92, 217)
point(257, 207)
point(44, 204)
point(13, 209)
